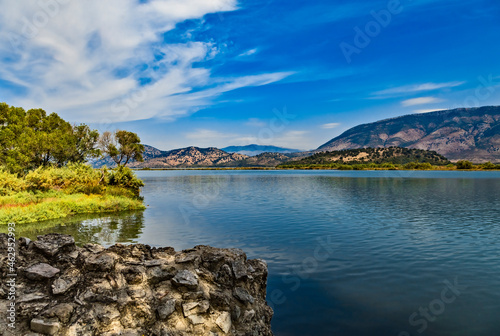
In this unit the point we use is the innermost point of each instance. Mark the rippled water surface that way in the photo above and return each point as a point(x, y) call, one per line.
point(350, 253)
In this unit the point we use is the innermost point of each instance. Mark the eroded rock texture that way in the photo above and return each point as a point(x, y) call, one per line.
point(130, 290)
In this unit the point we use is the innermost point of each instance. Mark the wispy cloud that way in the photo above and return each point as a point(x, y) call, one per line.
point(427, 111)
point(330, 125)
point(420, 101)
point(248, 53)
point(117, 68)
point(417, 88)
point(256, 122)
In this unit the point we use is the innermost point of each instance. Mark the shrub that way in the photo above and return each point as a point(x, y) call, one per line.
point(489, 165)
point(124, 177)
point(464, 164)
point(10, 183)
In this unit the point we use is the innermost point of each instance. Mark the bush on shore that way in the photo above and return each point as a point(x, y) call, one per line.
point(52, 192)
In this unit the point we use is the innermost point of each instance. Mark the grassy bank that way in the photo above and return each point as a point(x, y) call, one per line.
point(50, 193)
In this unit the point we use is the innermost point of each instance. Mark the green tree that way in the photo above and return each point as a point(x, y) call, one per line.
point(30, 139)
point(464, 164)
point(122, 146)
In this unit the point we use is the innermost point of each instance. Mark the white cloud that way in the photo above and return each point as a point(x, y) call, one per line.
point(330, 125)
point(83, 59)
point(248, 53)
point(418, 88)
point(427, 111)
point(420, 101)
point(256, 122)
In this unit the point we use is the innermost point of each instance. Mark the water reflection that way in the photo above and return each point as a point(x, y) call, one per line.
point(109, 229)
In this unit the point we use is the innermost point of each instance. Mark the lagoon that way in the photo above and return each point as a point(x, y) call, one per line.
point(350, 253)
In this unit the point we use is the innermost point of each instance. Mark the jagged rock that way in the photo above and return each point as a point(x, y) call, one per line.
point(103, 262)
point(243, 295)
point(137, 290)
point(41, 271)
point(186, 278)
point(51, 244)
point(166, 309)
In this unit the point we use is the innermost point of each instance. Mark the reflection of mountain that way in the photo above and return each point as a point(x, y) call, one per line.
point(104, 229)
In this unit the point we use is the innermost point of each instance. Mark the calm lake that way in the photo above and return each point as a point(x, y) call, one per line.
point(350, 253)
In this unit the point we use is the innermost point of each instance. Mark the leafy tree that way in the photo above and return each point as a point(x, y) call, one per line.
point(122, 146)
point(30, 139)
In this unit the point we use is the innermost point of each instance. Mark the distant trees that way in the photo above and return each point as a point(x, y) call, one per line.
point(464, 164)
point(122, 146)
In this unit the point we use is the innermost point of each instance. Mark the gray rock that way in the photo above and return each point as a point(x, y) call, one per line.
point(51, 244)
point(185, 258)
point(186, 279)
point(239, 269)
point(46, 327)
point(166, 309)
point(104, 262)
point(243, 295)
point(41, 271)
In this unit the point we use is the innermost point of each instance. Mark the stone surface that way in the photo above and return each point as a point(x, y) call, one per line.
point(224, 322)
point(186, 278)
point(136, 290)
point(46, 327)
point(41, 271)
point(166, 309)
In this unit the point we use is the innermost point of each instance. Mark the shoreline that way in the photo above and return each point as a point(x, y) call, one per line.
point(304, 168)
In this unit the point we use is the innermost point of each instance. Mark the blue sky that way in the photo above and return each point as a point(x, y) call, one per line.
point(228, 72)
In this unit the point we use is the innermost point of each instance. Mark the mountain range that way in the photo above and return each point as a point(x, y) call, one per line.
point(252, 150)
point(467, 133)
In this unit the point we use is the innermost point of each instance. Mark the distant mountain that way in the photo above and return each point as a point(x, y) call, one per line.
point(188, 157)
point(267, 160)
point(466, 133)
point(252, 150)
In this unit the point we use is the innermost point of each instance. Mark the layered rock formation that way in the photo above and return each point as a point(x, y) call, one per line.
point(64, 290)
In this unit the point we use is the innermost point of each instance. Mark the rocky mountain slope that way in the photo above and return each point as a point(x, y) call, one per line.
point(189, 157)
point(472, 134)
point(252, 150)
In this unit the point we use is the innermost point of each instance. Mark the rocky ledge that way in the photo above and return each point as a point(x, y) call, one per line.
point(130, 290)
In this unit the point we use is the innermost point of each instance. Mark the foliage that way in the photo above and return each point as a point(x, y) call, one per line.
point(52, 192)
point(464, 164)
point(122, 146)
point(390, 158)
point(56, 205)
point(30, 139)
point(124, 177)
point(10, 183)
point(488, 165)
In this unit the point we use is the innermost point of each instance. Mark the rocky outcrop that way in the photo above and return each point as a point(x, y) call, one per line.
point(63, 289)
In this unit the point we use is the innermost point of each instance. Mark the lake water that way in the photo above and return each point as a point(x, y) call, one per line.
point(350, 253)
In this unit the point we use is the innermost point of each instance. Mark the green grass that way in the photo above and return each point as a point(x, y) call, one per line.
point(51, 193)
point(28, 208)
